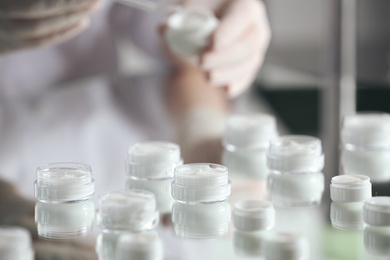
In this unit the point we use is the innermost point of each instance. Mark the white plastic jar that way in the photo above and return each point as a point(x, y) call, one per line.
point(295, 163)
point(189, 30)
point(130, 210)
point(201, 183)
point(201, 221)
point(15, 243)
point(64, 221)
point(246, 140)
point(350, 188)
point(365, 141)
point(376, 211)
point(64, 182)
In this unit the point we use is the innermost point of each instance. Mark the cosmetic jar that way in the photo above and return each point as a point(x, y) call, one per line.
point(253, 215)
point(129, 210)
point(64, 182)
point(350, 188)
point(201, 183)
point(376, 211)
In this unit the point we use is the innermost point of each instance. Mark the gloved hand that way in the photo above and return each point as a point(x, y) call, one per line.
point(25, 24)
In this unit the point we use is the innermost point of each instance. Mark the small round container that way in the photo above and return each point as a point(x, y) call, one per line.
point(377, 240)
point(15, 243)
point(64, 182)
point(282, 246)
point(153, 160)
point(254, 215)
point(347, 216)
point(295, 154)
point(201, 183)
point(201, 221)
point(188, 31)
point(376, 211)
point(64, 221)
point(247, 244)
point(130, 210)
point(350, 188)
point(139, 246)
point(249, 132)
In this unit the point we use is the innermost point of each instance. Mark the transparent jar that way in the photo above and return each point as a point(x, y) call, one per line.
point(128, 210)
point(201, 183)
point(64, 182)
point(295, 178)
point(245, 141)
point(64, 221)
point(15, 243)
point(365, 145)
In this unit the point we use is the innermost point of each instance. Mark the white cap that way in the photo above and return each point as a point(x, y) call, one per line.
point(377, 240)
point(64, 221)
point(15, 243)
point(248, 244)
point(347, 216)
point(254, 215)
point(201, 221)
point(130, 210)
point(369, 130)
point(350, 188)
point(153, 160)
point(295, 154)
point(139, 246)
point(188, 30)
point(201, 183)
point(249, 132)
point(282, 246)
point(376, 211)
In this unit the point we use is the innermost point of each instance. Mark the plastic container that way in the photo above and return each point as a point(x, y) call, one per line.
point(189, 30)
point(295, 178)
point(15, 243)
point(139, 246)
point(254, 215)
point(153, 160)
point(201, 183)
point(201, 221)
point(376, 211)
point(282, 246)
point(365, 141)
point(64, 221)
point(347, 216)
point(131, 210)
point(350, 188)
point(64, 182)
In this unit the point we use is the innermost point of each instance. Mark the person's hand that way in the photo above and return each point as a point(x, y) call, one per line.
point(238, 46)
point(33, 23)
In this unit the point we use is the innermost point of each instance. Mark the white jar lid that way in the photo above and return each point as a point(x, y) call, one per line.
point(188, 30)
point(130, 210)
point(15, 243)
point(254, 215)
point(137, 246)
point(347, 216)
point(368, 130)
point(295, 154)
point(377, 240)
point(350, 188)
point(376, 211)
point(153, 160)
point(282, 246)
point(64, 221)
point(201, 221)
point(64, 182)
point(201, 183)
point(249, 132)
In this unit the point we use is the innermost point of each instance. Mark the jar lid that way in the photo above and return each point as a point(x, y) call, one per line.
point(282, 246)
point(295, 154)
point(153, 160)
point(350, 188)
point(146, 245)
point(254, 215)
point(376, 211)
point(129, 210)
point(368, 130)
point(249, 132)
point(347, 216)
